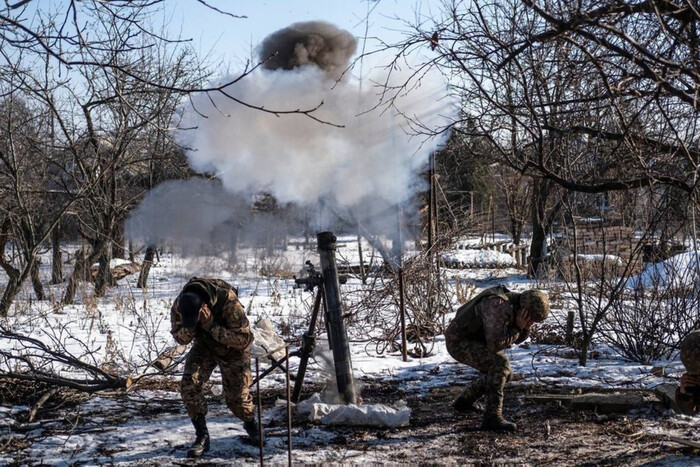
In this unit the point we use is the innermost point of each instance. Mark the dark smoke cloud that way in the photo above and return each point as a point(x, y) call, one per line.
point(309, 43)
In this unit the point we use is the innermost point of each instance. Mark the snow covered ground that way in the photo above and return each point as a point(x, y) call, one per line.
point(128, 328)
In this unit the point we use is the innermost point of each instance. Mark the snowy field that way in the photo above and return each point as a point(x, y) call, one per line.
point(146, 425)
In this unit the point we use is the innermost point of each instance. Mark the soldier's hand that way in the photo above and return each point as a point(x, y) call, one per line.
point(206, 319)
point(523, 319)
point(689, 381)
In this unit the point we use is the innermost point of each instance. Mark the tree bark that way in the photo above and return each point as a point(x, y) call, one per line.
point(36, 281)
point(146, 267)
point(56, 256)
point(13, 273)
point(538, 248)
point(81, 271)
point(104, 273)
point(118, 241)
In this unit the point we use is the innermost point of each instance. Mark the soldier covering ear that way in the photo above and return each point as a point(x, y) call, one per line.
point(482, 328)
point(208, 314)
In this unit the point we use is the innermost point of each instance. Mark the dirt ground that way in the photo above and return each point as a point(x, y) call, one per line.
point(548, 434)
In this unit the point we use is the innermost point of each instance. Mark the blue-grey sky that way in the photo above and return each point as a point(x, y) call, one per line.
point(231, 40)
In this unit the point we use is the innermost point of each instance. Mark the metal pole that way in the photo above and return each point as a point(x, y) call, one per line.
point(308, 344)
point(402, 307)
point(431, 181)
point(402, 304)
point(336, 327)
point(260, 431)
point(289, 411)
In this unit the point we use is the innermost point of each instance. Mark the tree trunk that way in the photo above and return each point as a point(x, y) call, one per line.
point(146, 267)
point(13, 274)
point(36, 281)
point(583, 351)
point(57, 256)
point(81, 271)
point(118, 241)
point(11, 291)
point(14, 285)
point(516, 230)
point(538, 248)
point(104, 277)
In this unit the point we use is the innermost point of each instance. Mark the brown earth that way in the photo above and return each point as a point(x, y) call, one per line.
point(548, 434)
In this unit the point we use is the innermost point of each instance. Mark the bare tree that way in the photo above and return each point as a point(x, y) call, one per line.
point(577, 95)
point(81, 34)
point(30, 208)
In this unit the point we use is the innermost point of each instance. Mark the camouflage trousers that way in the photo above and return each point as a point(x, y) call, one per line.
point(494, 366)
point(235, 376)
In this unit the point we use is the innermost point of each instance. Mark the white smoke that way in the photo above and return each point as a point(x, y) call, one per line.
point(374, 155)
point(358, 165)
point(195, 212)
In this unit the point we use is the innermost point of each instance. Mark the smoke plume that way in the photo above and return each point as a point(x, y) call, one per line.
point(366, 161)
point(371, 154)
point(197, 213)
point(310, 43)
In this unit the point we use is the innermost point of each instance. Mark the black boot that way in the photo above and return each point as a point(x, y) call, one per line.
point(201, 444)
point(253, 429)
point(496, 422)
point(493, 416)
point(466, 401)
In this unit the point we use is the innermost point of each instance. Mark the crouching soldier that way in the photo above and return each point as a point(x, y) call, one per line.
point(207, 312)
point(483, 327)
point(688, 394)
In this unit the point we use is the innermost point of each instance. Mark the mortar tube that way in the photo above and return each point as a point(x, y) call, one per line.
point(337, 333)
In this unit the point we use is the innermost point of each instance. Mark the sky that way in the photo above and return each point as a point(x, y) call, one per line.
point(231, 40)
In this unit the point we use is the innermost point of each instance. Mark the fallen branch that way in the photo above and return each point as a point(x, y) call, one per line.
point(686, 442)
point(47, 395)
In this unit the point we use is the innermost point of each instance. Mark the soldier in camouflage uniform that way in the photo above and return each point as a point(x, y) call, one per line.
point(483, 327)
point(208, 312)
point(688, 394)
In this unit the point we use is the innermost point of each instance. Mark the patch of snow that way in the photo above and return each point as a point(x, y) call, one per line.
point(465, 258)
point(678, 271)
point(376, 415)
point(114, 262)
point(599, 258)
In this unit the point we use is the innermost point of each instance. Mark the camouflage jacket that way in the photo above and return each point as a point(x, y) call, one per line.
point(688, 403)
point(231, 329)
point(491, 322)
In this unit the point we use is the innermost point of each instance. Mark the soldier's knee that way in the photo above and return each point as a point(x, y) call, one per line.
point(508, 371)
point(241, 408)
point(508, 374)
point(188, 384)
point(500, 367)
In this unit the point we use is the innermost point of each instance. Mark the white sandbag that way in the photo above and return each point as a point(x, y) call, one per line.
point(376, 415)
point(266, 339)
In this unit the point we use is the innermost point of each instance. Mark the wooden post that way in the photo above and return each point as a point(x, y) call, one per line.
point(570, 328)
point(260, 430)
point(289, 409)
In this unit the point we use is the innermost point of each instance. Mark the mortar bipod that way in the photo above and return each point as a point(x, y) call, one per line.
point(314, 280)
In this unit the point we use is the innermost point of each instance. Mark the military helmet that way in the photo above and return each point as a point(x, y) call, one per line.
point(536, 302)
point(189, 304)
point(690, 352)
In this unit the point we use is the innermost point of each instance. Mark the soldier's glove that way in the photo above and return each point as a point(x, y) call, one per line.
point(206, 319)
